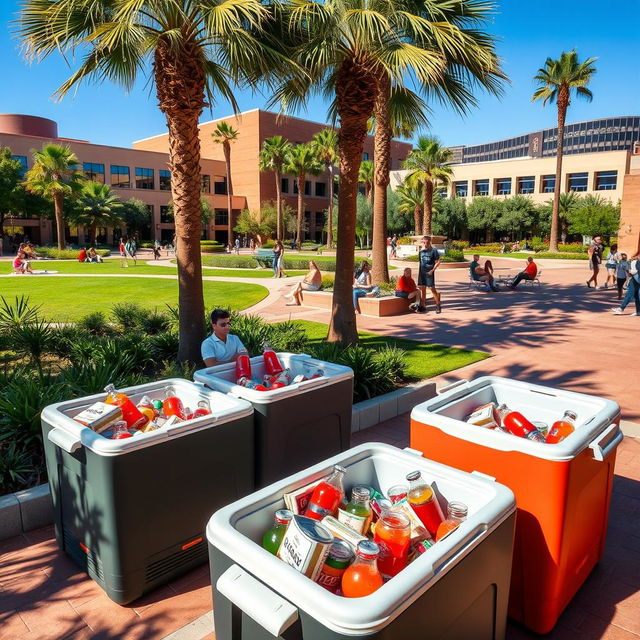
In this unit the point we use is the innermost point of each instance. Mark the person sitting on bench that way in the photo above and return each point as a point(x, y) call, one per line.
point(479, 274)
point(530, 272)
point(407, 289)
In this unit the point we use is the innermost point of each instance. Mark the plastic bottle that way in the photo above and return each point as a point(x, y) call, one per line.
point(362, 577)
point(518, 425)
point(424, 502)
point(172, 405)
point(243, 365)
point(393, 536)
point(202, 410)
point(271, 363)
point(562, 428)
point(272, 539)
point(146, 408)
point(120, 431)
point(456, 514)
point(327, 495)
point(356, 514)
point(130, 413)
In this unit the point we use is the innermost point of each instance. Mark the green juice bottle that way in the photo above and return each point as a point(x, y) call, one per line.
point(356, 514)
point(272, 539)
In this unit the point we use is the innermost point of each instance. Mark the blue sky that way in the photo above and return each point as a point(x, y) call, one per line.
point(528, 32)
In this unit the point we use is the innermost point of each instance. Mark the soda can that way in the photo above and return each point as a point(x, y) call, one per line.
point(339, 558)
point(305, 546)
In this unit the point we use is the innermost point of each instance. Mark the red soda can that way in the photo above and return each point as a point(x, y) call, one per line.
point(339, 558)
point(271, 363)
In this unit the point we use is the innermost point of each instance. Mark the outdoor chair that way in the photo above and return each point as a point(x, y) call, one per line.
point(478, 284)
point(536, 280)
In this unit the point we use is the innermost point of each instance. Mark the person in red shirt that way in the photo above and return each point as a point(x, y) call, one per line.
point(529, 273)
point(407, 289)
point(82, 256)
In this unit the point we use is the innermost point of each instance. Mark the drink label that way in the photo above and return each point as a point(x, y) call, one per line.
point(342, 531)
point(305, 546)
point(418, 530)
point(330, 577)
point(358, 523)
point(99, 416)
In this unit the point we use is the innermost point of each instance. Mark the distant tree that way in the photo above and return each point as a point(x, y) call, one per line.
point(248, 223)
point(518, 216)
point(272, 157)
point(366, 177)
point(11, 190)
point(450, 218)
point(206, 211)
point(364, 220)
point(225, 134)
point(136, 216)
point(411, 202)
point(567, 202)
point(269, 219)
point(326, 146)
point(96, 206)
point(483, 214)
point(398, 223)
point(593, 216)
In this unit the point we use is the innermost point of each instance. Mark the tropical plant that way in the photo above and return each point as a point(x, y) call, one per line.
point(96, 206)
point(225, 134)
point(11, 190)
point(412, 202)
point(272, 157)
point(32, 340)
point(16, 314)
point(365, 177)
point(558, 81)
point(302, 160)
point(55, 175)
point(428, 165)
point(94, 323)
point(364, 221)
point(15, 467)
point(325, 143)
point(566, 203)
point(195, 51)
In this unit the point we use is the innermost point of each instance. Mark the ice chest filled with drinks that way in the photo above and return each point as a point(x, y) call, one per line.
point(297, 424)
point(560, 469)
point(134, 479)
point(458, 588)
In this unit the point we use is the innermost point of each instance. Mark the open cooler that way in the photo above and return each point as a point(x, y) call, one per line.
point(132, 512)
point(562, 490)
point(297, 425)
point(458, 589)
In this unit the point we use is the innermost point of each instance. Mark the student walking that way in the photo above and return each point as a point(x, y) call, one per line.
point(633, 290)
point(595, 259)
point(429, 260)
point(622, 273)
point(610, 264)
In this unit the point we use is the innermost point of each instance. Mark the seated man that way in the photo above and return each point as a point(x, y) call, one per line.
point(221, 346)
point(479, 274)
point(407, 289)
point(529, 273)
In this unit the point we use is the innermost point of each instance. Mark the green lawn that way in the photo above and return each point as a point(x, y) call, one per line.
point(425, 360)
point(67, 299)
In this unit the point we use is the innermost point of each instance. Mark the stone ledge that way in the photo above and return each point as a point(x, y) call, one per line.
point(25, 510)
point(375, 307)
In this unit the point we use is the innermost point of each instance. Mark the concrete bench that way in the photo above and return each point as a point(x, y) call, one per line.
point(378, 307)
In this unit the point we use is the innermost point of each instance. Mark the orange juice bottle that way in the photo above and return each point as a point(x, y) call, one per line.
point(130, 413)
point(392, 535)
point(362, 577)
point(562, 428)
point(424, 502)
point(456, 514)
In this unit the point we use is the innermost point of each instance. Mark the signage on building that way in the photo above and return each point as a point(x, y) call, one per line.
point(535, 144)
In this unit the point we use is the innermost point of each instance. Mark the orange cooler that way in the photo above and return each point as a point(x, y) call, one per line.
point(562, 490)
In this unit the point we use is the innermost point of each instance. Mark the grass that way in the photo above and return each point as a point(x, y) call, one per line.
point(424, 360)
point(68, 299)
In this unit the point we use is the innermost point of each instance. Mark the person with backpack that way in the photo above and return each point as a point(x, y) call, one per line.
point(633, 290)
point(596, 248)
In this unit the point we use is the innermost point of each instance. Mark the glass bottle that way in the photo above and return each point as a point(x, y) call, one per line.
point(327, 495)
point(356, 514)
point(456, 514)
point(130, 413)
point(518, 425)
point(560, 429)
point(271, 363)
point(393, 536)
point(362, 577)
point(424, 502)
point(272, 539)
point(243, 365)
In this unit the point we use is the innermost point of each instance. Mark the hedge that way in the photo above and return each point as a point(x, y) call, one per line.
point(65, 254)
point(326, 263)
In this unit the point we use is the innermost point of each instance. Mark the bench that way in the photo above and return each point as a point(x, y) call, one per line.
point(378, 307)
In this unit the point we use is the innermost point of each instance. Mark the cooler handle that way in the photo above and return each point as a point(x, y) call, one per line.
point(599, 452)
point(485, 476)
point(479, 530)
point(415, 452)
point(268, 609)
point(453, 385)
point(65, 440)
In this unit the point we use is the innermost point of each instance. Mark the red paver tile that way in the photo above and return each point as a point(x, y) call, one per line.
point(40, 535)
point(103, 615)
point(11, 624)
point(149, 599)
point(50, 617)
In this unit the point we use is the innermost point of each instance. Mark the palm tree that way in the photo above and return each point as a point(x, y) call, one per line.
point(193, 50)
point(272, 157)
point(54, 175)
point(365, 177)
point(302, 161)
point(558, 80)
point(428, 164)
point(325, 143)
point(225, 134)
point(97, 206)
point(412, 201)
point(568, 202)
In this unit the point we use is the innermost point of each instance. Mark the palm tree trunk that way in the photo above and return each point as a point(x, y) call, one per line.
point(300, 210)
point(279, 220)
point(58, 200)
point(227, 159)
point(180, 88)
point(417, 219)
point(355, 98)
point(428, 208)
point(330, 213)
point(382, 162)
point(563, 104)
point(94, 230)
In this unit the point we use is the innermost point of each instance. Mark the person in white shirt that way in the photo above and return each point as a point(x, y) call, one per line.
point(622, 269)
point(633, 290)
point(221, 346)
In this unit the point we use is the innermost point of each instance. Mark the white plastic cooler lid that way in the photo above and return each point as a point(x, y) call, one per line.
point(237, 529)
point(222, 377)
point(71, 435)
point(594, 426)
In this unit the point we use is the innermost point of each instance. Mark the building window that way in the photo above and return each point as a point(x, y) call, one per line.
point(365, 156)
point(481, 187)
point(221, 217)
point(461, 188)
point(120, 177)
point(285, 185)
point(503, 186)
point(164, 176)
point(205, 184)
point(150, 210)
point(321, 189)
point(165, 213)
point(307, 187)
point(548, 183)
point(578, 181)
point(144, 178)
point(606, 180)
point(94, 171)
point(526, 185)
point(23, 162)
point(220, 185)
point(295, 187)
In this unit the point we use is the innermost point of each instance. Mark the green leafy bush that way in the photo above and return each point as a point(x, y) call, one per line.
point(288, 337)
point(211, 246)
point(16, 313)
point(128, 315)
point(562, 256)
point(453, 255)
point(32, 340)
point(154, 322)
point(405, 240)
point(92, 376)
point(327, 282)
point(164, 346)
point(95, 323)
point(231, 262)
point(574, 247)
point(65, 254)
point(16, 467)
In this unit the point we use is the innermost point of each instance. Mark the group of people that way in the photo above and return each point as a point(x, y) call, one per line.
point(128, 247)
point(24, 255)
point(485, 274)
point(89, 255)
point(278, 260)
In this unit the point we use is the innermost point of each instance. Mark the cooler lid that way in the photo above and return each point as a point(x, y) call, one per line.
point(448, 411)
point(224, 409)
point(490, 503)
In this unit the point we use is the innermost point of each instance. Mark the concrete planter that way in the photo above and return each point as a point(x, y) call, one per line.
point(25, 510)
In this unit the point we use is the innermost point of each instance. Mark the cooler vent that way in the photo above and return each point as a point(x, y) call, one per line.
point(175, 561)
point(88, 560)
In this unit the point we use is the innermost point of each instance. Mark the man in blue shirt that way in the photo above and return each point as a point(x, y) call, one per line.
point(221, 346)
point(429, 260)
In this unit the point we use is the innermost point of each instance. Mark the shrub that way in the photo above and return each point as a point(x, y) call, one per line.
point(268, 244)
point(327, 282)
point(453, 255)
point(389, 288)
point(94, 323)
point(65, 254)
point(128, 315)
point(17, 313)
point(288, 336)
point(164, 346)
point(405, 240)
point(155, 322)
point(253, 331)
point(574, 247)
point(92, 376)
point(458, 244)
point(231, 261)
point(211, 246)
point(16, 467)
point(562, 256)
point(64, 338)
point(147, 245)
point(32, 340)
